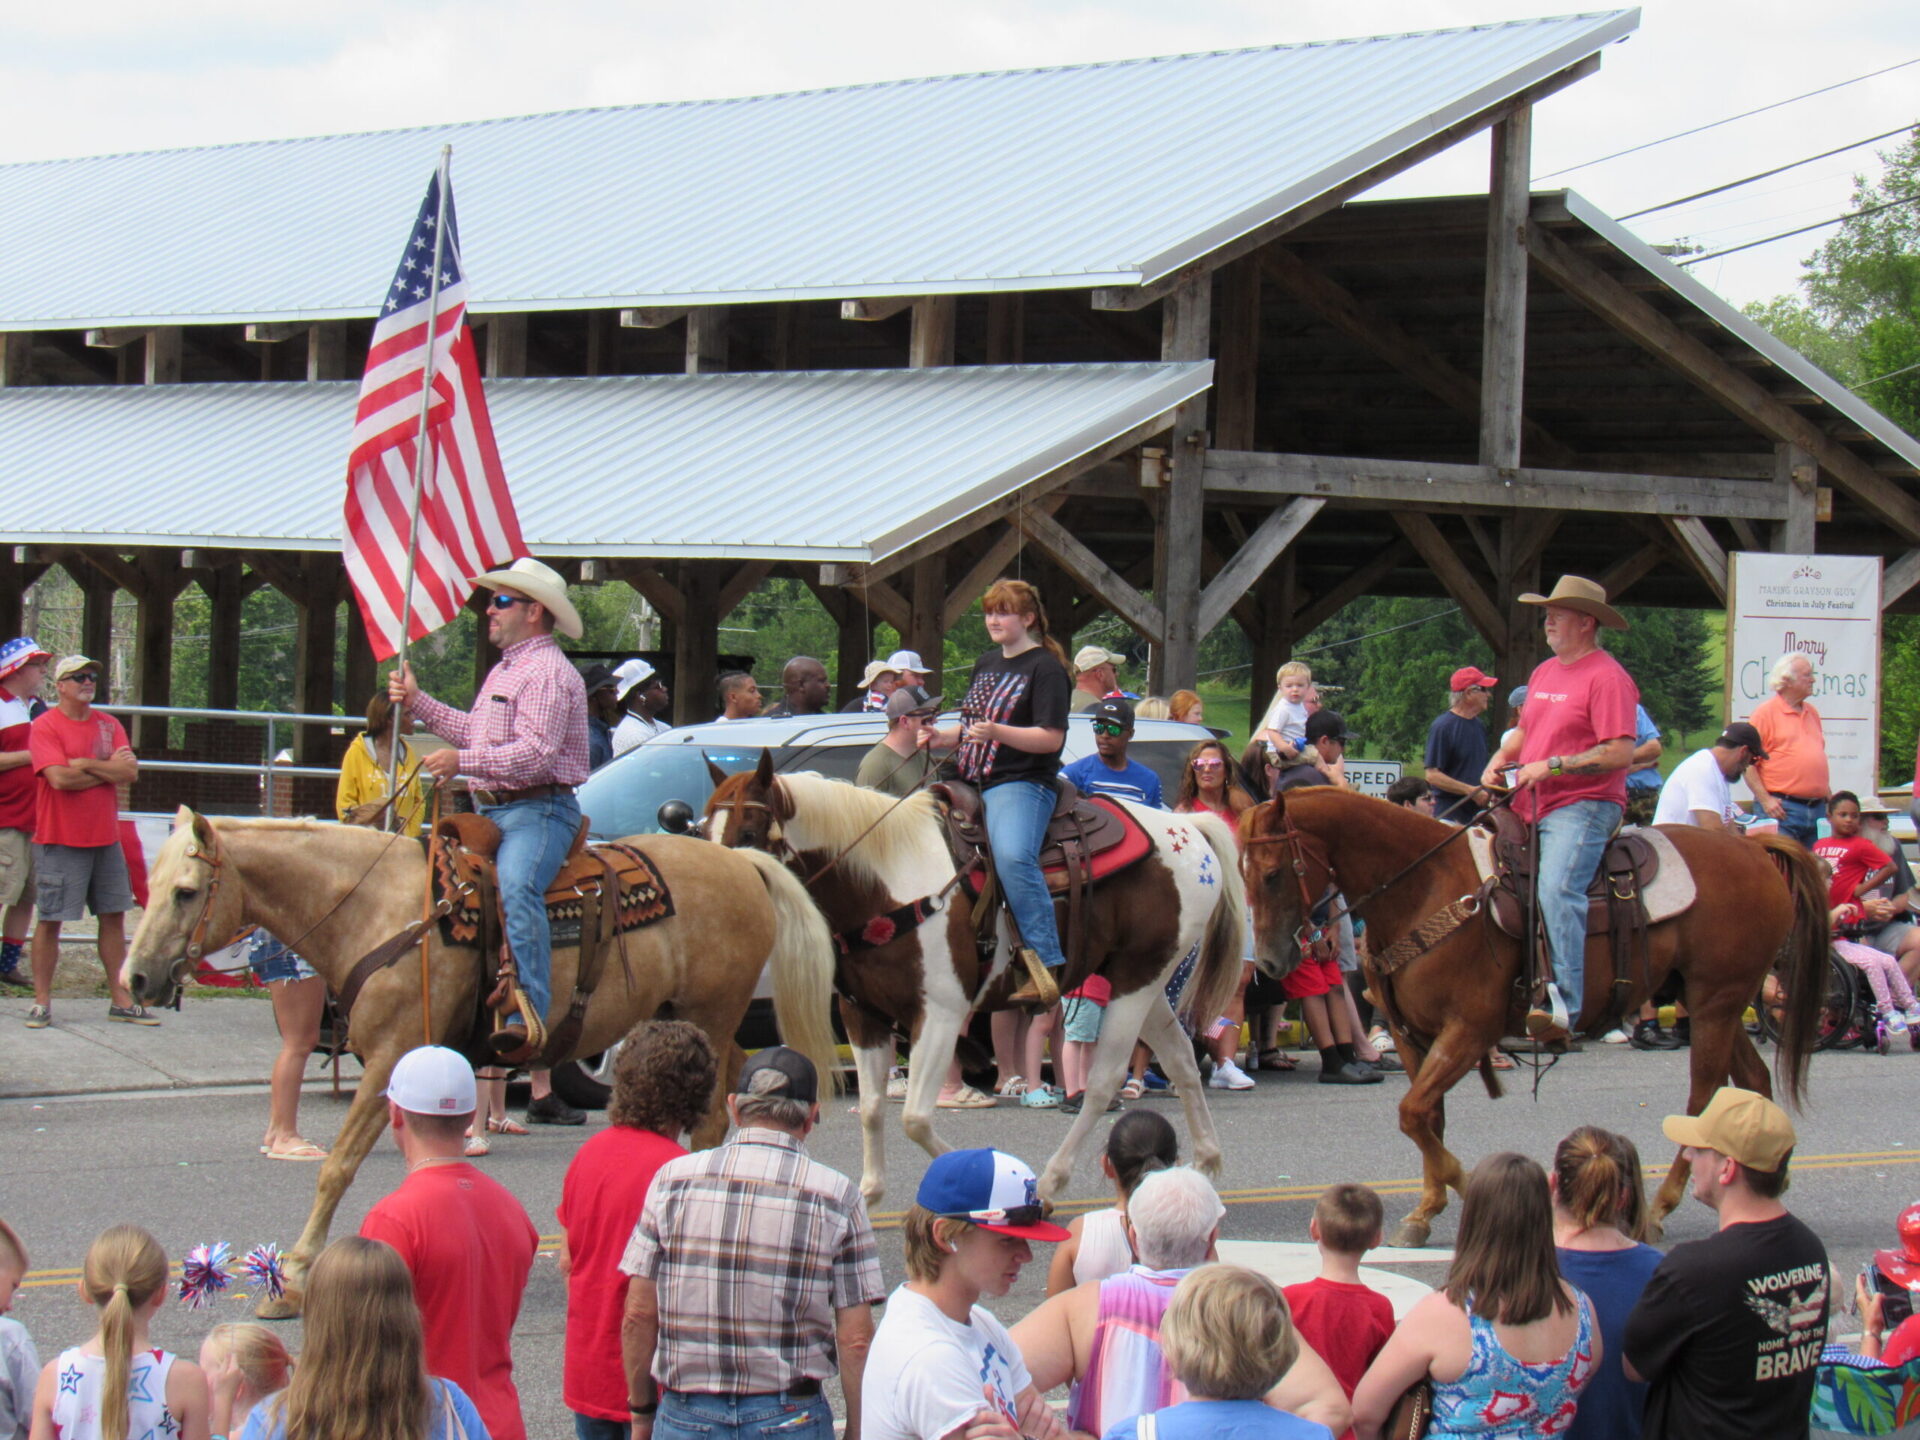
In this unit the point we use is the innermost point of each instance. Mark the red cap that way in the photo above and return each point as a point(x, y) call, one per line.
point(1466, 676)
point(1902, 1266)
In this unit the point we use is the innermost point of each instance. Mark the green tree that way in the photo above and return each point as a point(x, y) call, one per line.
point(1666, 653)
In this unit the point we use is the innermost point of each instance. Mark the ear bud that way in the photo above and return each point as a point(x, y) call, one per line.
point(954, 1248)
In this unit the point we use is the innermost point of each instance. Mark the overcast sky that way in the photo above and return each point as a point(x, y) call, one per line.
point(113, 75)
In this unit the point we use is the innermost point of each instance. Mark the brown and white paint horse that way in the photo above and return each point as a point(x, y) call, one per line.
point(865, 855)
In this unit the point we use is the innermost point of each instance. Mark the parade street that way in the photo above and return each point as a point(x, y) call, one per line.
point(184, 1161)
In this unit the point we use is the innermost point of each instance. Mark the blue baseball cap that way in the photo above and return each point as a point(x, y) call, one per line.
point(988, 1188)
point(23, 651)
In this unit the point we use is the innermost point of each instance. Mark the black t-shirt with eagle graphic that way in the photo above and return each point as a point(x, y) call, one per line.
point(1032, 688)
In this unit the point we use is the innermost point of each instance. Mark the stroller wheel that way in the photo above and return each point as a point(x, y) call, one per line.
point(1882, 1039)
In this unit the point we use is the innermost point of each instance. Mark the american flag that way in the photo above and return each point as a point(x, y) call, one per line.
point(467, 522)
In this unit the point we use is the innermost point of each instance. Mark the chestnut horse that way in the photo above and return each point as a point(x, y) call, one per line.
point(1450, 1005)
point(866, 856)
point(337, 892)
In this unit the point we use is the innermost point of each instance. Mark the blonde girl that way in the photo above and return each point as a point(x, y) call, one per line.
point(244, 1365)
point(117, 1385)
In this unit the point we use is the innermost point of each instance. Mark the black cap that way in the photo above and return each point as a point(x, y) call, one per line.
point(1327, 725)
point(798, 1079)
point(1741, 733)
point(598, 677)
point(1114, 711)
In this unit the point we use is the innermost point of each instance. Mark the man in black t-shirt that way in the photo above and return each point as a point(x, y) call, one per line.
point(1729, 1329)
point(1457, 748)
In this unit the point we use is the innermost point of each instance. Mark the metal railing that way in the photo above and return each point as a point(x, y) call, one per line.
point(267, 770)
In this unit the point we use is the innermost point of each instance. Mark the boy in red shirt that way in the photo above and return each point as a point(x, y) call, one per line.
point(79, 756)
point(1859, 865)
point(1344, 1321)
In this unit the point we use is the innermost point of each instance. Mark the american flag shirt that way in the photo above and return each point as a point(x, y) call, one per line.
point(528, 725)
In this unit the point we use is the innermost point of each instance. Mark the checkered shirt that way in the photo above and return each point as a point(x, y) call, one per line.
point(529, 722)
point(752, 1246)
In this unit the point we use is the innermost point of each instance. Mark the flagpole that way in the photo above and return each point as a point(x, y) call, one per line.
point(419, 468)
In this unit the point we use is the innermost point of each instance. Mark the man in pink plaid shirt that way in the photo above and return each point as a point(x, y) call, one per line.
point(522, 748)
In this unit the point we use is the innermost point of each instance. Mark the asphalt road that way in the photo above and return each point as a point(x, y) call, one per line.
point(184, 1164)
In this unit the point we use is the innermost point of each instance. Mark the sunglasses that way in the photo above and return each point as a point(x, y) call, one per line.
point(1107, 727)
point(502, 601)
point(85, 677)
point(1209, 764)
point(1012, 1215)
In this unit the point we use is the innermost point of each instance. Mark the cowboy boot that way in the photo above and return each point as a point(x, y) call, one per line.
point(1041, 992)
point(1547, 1018)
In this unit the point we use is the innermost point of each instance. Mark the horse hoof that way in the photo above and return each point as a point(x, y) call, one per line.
point(1411, 1235)
point(1210, 1164)
point(287, 1307)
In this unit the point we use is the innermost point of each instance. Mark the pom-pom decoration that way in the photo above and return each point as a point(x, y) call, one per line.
point(265, 1266)
point(204, 1274)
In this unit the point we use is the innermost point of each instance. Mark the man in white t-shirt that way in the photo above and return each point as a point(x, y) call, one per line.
point(1698, 793)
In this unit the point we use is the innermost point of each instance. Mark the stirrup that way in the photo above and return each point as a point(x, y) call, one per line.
point(513, 1045)
point(1041, 991)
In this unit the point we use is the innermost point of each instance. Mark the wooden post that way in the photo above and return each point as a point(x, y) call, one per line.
point(163, 355)
point(1236, 379)
point(696, 641)
point(1522, 540)
point(226, 598)
point(162, 580)
point(1797, 475)
point(506, 346)
point(327, 351)
point(931, 340)
point(927, 633)
point(790, 337)
point(600, 331)
point(1503, 345)
point(313, 664)
point(1186, 328)
point(707, 341)
point(1006, 329)
point(363, 673)
point(1273, 639)
point(16, 357)
point(97, 593)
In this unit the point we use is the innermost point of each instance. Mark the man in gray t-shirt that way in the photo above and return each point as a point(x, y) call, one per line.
point(900, 763)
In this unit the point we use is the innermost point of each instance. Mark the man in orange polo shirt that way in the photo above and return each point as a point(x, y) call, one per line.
point(1791, 783)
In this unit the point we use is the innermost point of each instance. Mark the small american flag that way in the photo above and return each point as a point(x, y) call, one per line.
point(467, 522)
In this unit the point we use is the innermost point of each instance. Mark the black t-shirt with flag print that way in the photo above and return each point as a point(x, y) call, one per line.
point(1031, 688)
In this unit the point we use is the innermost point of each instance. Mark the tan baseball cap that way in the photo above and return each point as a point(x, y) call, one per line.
point(1092, 655)
point(72, 665)
point(1739, 1124)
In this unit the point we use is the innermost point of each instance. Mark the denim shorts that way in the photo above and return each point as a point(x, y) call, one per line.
point(742, 1417)
point(271, 961)
point(1083, 1017)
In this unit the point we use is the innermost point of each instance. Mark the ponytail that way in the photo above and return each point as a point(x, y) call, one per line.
point(125, 1269)
point(1017, 597)
point(1592, 1181)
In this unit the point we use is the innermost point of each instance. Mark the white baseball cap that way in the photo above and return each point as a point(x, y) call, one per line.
point(433, 1080)
point(907, 660)
point(628, 674)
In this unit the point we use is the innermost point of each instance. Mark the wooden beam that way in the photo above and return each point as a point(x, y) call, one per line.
point(163, 356)
point(1635, 317)
point(1236, 375)
point(1089, 570)
point(1006, 328)
point(885, 601)
point(1503, 342)
point(1186, 332)
point(506, 345)
point(1419, 484)
point(225, 599)
point(116, 337)
point(1459, 582)
point(1629, 572)
point(707, 341)
point(651, 317)
point(16, 357)
point(1393, 343)
point(125, 574)
point(655, 588)
point(1797, 476)
point(1139, 296)
point(1483, 541)
point(327, 351)
point(931, 339)
point(926, 628)
point(1273, 535)
point(881, 308)
point(272, 332)
point(1699, 546)
point(1359, 581)
point(1533, 529)
point(696, 641)
point(1747, 535)
point(1899, 576)
point(790, 336)
point(991, 565)
point(742, 583)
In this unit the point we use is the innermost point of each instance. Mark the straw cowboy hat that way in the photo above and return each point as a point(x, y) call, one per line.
point(875, 669)
point(1576, 593)
point(540, 583)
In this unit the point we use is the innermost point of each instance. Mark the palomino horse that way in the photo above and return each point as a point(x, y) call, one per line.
point(868, 858)
point(1449, 1005)
point(336, 892)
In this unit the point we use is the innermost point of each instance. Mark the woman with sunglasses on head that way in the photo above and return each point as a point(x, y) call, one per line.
point(941, 1366)
point(1207, 782)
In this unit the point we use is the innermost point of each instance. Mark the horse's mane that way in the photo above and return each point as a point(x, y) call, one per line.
point(1335, 798)
point(833, 813)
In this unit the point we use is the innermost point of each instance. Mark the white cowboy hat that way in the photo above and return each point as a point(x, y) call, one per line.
point(1573, 592)
point(875, 669)
point(540, 583)
point(631, 673)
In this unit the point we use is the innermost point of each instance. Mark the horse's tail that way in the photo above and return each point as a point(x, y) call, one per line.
point(802, 964)
point(1216, 974)
point(1802, 963)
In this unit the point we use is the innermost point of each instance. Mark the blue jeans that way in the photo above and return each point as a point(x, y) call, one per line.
point(1572, 840)
point(591, 1427)
point(1802, 821)
point(747, 1417)
point(1017, 815)
point(535, 836)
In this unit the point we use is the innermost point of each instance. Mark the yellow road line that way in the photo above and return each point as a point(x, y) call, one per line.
point(890, 1219)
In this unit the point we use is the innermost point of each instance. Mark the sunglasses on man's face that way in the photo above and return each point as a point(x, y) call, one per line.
point(502, 601)
point(85, 677)
point(1107, 727)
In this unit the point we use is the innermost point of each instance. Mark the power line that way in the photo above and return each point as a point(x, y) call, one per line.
point(1888, 376)
point(1788, 234)
point(1715, 124)
point(1765, 174)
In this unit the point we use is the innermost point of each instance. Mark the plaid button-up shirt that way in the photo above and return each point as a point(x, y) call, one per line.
point(529, 721)
point(752, 1247)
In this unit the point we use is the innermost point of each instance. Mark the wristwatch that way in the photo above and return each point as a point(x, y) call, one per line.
point(1557, 765)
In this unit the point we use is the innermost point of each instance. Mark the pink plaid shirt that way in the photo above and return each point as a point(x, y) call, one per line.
point(529, 721)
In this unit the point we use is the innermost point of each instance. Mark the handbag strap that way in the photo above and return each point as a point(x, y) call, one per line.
point(1147, 1429)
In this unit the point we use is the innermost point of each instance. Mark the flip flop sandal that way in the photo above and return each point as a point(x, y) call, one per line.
point(1132, 1090)
point(302, 1150)
point(506, 1126)
point(1012, 1088)
point(965, 1098)
point(1277, 1060)
point(476, 1146)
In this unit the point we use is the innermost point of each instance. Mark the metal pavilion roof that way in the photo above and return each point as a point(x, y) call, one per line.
point(1107, 175)
point(662, 466)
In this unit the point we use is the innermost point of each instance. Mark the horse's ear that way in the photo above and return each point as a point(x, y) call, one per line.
point(183, 818)
point(763, 772)
point(719, 775)
point(202, 829)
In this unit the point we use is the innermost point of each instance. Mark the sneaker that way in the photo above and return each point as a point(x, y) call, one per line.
point(132, 1014)
point(1229, 1076)
point(39, 1017)
point(1353, 1073)
point(1912, 1012)
point(552, 1110)
point(1155, 1082)
point(1648, 1035)
point(1616, 1036)
point(1895, 1021)
point(1041, 1097)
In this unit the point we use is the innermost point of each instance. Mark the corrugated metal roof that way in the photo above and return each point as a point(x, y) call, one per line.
point(845, 465)
point(1683, 283)
point(1103, 175)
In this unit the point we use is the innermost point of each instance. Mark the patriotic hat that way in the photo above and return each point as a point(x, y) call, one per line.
point(16, 653)
point(1902, 1266)
point(991, 1189)
point(433, 1080)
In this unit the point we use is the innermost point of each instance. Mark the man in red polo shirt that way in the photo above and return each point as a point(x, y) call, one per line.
point(79, 755)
